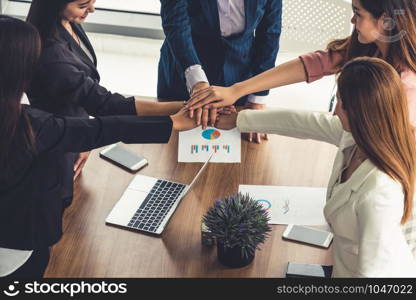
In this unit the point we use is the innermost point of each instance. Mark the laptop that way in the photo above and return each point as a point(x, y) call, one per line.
point(148, 203)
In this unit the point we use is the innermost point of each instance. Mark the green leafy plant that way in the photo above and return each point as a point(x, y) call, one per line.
point(240, 221)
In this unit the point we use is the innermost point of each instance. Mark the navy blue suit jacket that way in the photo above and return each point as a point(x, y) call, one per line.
point(193, 36)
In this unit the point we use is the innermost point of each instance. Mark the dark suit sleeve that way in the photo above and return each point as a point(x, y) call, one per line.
point(177, 28)
point(267, 38)
point(67, 134)
point(65, 82)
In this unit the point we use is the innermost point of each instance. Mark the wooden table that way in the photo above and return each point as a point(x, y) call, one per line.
point(90, 248)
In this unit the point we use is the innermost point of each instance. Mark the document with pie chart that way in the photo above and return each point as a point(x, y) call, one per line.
point(197, 145)
point(290, 204)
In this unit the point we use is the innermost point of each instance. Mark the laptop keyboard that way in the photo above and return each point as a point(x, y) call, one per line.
point(156, 205)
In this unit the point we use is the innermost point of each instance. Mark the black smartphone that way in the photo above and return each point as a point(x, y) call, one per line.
point(123, 158)
point(296, 270)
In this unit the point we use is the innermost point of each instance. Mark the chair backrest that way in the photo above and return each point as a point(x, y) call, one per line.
point(309, 25)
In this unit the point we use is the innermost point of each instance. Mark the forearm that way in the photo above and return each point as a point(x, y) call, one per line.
point(287, 73)
point(293, 123)
point(83, 134)
point(147, 108)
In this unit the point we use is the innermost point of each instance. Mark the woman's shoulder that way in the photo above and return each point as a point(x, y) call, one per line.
point(379, 183)
point(408, 77)
point(55, 49)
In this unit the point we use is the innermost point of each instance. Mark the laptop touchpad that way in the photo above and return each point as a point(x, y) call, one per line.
point(142, 183)
point(126, 207)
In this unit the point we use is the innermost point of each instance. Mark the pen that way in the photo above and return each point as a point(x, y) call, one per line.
point(333, 97)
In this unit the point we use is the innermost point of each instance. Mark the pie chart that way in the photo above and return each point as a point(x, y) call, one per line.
point(265, 203)
point(211, 134)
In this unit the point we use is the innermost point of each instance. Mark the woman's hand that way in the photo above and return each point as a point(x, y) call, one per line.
point(181, 121)
point(208, 117)
point(214, 97)
point(257, 137)
point(227, 122)
point(80, 163)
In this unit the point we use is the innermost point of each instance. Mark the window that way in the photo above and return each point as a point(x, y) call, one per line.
point(141, 6)
point(140, 18)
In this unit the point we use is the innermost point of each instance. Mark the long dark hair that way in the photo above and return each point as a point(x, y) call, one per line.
point(373, 96)
point(19, 53)
point(46, 16)
point(402, 36)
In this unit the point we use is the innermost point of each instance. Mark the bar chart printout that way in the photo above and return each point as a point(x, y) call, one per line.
point(196, 145)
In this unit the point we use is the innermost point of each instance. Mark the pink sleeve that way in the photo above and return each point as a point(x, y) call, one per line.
point(319, 64)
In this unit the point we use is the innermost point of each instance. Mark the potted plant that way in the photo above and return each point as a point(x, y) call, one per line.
point(239, 224)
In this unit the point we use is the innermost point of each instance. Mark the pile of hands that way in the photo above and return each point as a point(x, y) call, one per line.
point(213, 106)
point(208, 106)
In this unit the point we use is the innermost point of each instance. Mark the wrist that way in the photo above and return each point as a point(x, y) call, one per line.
point(239, 90)
point(253, 105)
point(172, 108)
point(199, 85)
point(174, 122)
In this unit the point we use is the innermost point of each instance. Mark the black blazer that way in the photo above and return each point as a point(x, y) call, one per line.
point(67, 81)
point(30, 206)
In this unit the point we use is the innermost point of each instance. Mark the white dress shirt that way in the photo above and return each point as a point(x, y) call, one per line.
point(232, 21)
point(86, 50)
point(364, 212)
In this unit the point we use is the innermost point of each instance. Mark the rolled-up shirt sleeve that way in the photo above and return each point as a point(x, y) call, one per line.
point(319, 64)
point(193, 75)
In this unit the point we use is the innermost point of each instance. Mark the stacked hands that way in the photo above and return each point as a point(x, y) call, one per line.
point(208, 106)
point(213, 106)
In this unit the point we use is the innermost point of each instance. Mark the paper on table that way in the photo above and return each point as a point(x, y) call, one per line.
point(290, 205)
point(196, 145)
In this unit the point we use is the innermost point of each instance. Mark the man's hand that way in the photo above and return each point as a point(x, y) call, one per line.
point(256, 136)
point(198, 87)
point(199, 113)
point(227, 122)
point(208, 117)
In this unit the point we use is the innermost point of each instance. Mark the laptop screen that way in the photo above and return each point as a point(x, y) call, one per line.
point(197, 175)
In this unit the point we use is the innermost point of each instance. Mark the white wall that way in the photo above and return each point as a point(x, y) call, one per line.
point(2, 5)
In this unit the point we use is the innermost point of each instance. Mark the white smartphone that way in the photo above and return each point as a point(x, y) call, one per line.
point(308, 235)
point(123, 158)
